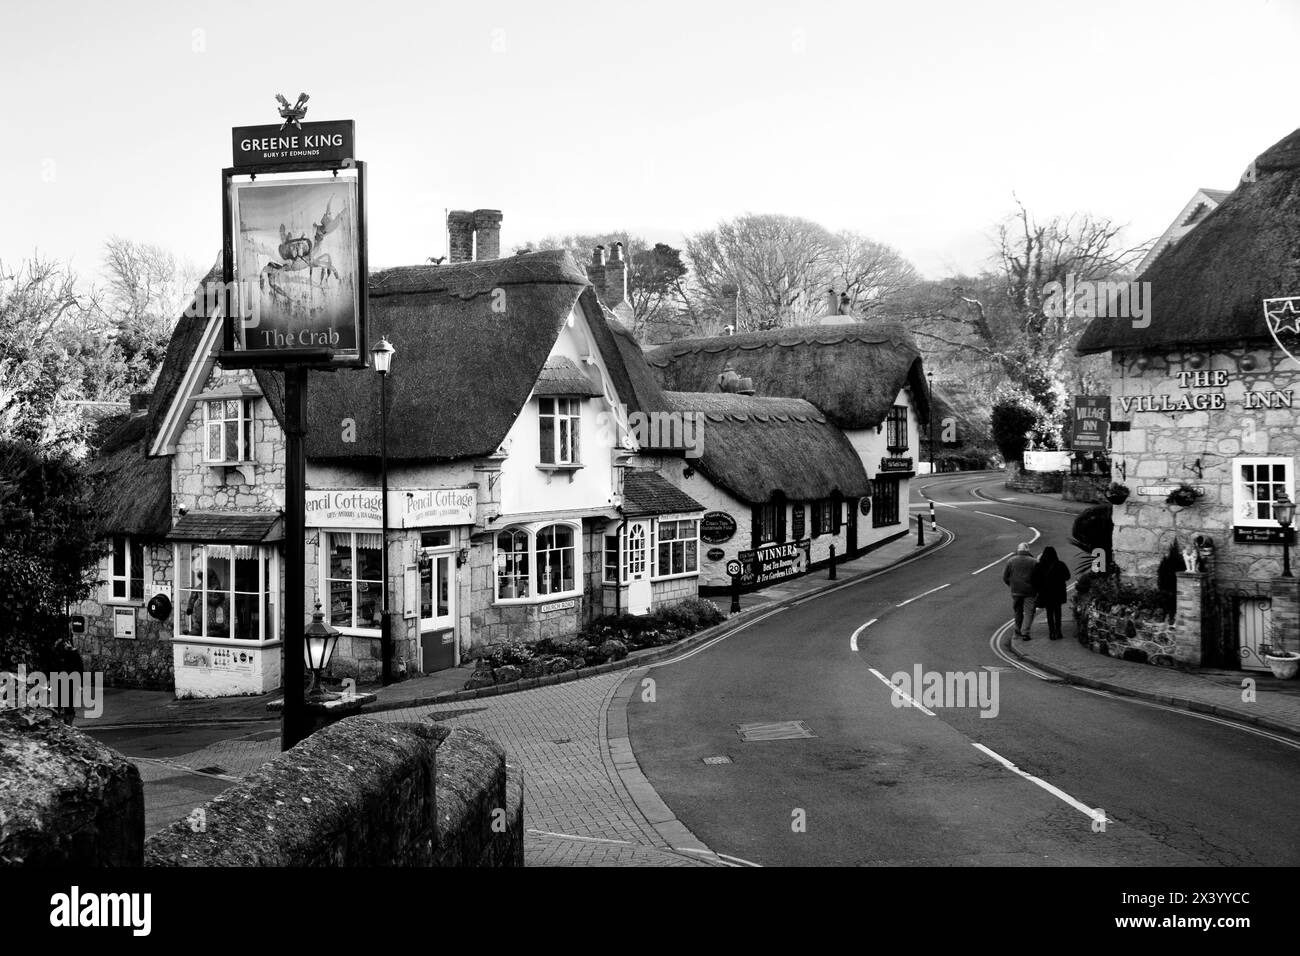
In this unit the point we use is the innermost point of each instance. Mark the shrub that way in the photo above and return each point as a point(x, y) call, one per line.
point(507, 654)
point(1010, 421)
point(611, 651)
point(1108, 591)
point(689, 615)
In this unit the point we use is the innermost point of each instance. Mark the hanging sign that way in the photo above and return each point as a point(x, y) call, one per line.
point(331, 141)
point(717, 527)
point(1090, 424)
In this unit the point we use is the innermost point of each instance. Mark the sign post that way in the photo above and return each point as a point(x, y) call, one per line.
point(294, 298)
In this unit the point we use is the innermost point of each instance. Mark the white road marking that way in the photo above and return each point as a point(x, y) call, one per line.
point(581, 839)
point(894, 689)
point(1212, 718)
point(919, 596)
point(1098, 814)
point(853, 641)
point(994, 563)
point(995, 642)
point(1002, 517)
point(735, 860)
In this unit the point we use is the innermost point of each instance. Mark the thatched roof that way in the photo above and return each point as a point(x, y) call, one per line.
point(1209, 287)
point(637, 385)
point(462, 370)
point(561, 376)
point(133, 492)
point(754, 447)
point(852, 372)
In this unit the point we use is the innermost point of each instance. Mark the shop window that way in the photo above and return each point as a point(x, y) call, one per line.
point(226, 591)
point(512, 565)
point(896, 428)
point(556, 561)
point(1256, 483)
point(884, 503)
point(678, 549)
point(558, 420)
point(353, 579)
point(769, 523)
point(127, 570)
point(823, 517)
point(228, 430)
point(439, 538)
point(837, 512)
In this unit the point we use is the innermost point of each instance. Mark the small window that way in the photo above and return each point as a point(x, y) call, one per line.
point(611, 559)
point(558, 421)
point(353, 579)
point(512, 564)
point(228, 430)
point(436, 539)
point(678, 548)
point(823, 517)
point(556, 562)
point(127, 575)
point(884, 502)
point(1255, 487)
point(896, 428)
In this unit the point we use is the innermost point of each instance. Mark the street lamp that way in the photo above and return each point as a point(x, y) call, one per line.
point(318, 640)
point(1284, 512)
point(382, 355)
point(930, 382)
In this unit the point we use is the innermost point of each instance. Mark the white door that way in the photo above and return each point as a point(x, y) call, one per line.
point(638, 567)
point(437, 611)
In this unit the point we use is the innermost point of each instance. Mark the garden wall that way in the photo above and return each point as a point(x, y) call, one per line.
point(1035, 482)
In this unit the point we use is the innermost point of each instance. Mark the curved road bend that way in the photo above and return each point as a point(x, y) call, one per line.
point(1058, 776)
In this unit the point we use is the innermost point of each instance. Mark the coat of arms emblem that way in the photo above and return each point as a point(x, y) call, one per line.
point(1283, 318)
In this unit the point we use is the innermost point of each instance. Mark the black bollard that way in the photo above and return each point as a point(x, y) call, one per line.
point(735, 594)
point(920, 528)
point(832, 574)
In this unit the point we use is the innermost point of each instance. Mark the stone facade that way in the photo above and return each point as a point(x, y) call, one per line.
point(1086, 488)
point(1034, 482)
point(144, 661)
point(1196, 446)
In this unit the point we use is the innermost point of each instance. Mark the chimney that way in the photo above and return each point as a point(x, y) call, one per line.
point(832, 302)
point(596, 271)
point(615, 278)
point(730, 307)
point(487, 226)
point(460, 236)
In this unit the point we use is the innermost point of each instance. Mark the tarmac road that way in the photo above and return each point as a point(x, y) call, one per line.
point(1057, 776)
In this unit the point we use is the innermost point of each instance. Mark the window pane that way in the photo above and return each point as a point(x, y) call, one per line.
point(232, 440)
point(232, 408)
point(435, 539)
point(665, 557)
point(369, 558)
point(119, 557)
point(426, 593)
point(565, 454)
point(546, 406)
point(214, 442)
point(341, 603)
point(246, 449)
point(340, 556)
point(692, 556)
point(547, 440)
point(573, 436)
point(444, 586)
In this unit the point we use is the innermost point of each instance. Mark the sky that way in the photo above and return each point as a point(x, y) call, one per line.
point(914, 123)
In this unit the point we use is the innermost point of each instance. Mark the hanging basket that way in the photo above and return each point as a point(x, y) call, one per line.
point(1183, 496)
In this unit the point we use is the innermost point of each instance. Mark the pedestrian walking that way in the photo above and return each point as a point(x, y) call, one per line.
point(1049, 580)
point(1018, 575)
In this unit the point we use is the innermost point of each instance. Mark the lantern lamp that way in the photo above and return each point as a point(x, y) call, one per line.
point(1284, 514)
point(319, 640)
point(382, 355)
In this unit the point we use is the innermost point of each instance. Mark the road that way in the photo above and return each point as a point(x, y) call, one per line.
point(1058, 776)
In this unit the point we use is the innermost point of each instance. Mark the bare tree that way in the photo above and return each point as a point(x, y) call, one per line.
point(871, 273)
point(147, 289)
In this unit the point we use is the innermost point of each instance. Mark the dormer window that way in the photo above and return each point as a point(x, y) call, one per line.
point(896, 428)
point(227, 431)
point(558, 421)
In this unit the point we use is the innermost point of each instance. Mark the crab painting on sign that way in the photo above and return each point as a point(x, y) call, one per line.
point(296, 264)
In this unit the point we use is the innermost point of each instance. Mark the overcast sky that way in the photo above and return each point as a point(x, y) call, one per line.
point(910, 122)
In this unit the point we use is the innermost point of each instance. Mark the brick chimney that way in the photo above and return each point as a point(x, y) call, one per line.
point(730, 307)
point(487, 233)
point(460, 236)
point(616, 278)
point(596, 271)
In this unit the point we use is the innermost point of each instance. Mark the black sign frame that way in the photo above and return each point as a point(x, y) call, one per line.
point(321, 358)
point(344, 152)
point(710, 536)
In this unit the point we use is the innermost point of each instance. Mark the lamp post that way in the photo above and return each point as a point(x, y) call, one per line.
point(382, 355)
point(929, 376)
point(319, 640)
point(1284, 512)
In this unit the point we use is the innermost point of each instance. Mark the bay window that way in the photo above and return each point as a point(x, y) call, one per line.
point(228, 430)
point(1255, 486)
point(352, 563)
point(126, 574)
point(545, 561)
point(678, 548)
point(558, 420)
point(226, 591)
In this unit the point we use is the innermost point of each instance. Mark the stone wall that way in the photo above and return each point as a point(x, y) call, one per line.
point(362, 792)
point(144, 661)
point(1086, 488)
point(1035, 482)
point(65, 799)
point(1195, 445)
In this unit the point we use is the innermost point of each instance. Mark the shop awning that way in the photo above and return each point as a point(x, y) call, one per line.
point(225, 528)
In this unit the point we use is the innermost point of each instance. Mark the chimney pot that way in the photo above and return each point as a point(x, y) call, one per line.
point(617, 254)
point(598, 256)
point(832, 302)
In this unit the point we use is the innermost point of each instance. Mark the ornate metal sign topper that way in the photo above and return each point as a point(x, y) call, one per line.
point(1283, 318)
point(292, 115)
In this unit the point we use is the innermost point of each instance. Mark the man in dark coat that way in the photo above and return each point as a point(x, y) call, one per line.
point(1018, 575)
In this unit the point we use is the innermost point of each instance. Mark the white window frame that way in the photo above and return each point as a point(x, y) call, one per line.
point(244, 442)
point(564, 411)
point(536, 595)
point(658, 574)
point(1239, 499)
point(113, 579)
point(323, 554)
point(268, 577)
point(897, 428)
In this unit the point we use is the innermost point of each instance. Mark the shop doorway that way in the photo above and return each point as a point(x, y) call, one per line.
point(437, 572)
point(638, 567)
point(851, 533)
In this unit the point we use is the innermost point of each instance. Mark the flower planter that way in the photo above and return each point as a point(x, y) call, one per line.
point(1283, 666)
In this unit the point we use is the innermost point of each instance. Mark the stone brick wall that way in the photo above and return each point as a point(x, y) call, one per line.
point(144, 661)
point(1087, 488)
point(1035, 482)
point(362, 792)
point(1284, 617)
point(67, 799)
point(1197, 447)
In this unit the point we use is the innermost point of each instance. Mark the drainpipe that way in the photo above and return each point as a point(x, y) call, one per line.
point(618, 577)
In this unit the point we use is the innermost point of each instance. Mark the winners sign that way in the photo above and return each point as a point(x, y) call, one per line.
point(295, 247)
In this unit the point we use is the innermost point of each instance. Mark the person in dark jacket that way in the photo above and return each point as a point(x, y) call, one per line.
point(1049, 579)
point(1018, 576)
